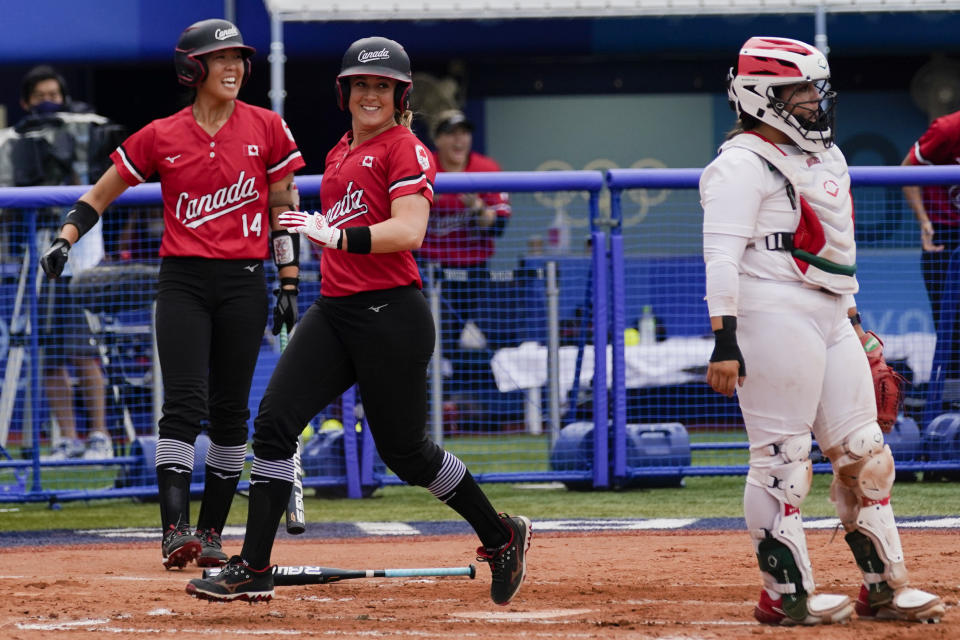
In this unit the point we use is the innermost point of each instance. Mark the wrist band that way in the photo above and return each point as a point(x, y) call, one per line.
point(288, 281)
point(83, 217)
point(358, 239)
point(725, 343)
point(855, 319)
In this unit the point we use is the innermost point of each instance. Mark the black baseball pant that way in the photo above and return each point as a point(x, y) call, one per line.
point(211, 315)
point(380, 340)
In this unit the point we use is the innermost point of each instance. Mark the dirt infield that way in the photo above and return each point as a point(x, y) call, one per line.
point(686, 585)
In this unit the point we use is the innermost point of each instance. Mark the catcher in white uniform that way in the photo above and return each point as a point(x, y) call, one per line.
point(780, 257)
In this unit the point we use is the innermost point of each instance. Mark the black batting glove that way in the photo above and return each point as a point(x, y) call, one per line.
point(285, 311)
point(55, 258)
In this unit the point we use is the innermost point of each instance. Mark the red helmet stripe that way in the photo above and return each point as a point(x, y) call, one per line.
point(777, 44)
point(757, 66)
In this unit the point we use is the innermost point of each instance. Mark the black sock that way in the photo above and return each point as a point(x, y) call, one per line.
point(218, 493)
point(268, 499)
point(173, 483)
point(471, 502)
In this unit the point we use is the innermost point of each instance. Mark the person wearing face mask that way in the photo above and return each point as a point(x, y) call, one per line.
point(58, 142)
point(226, 171)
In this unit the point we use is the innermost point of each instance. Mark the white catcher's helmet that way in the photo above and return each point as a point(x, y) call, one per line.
point(766, 64)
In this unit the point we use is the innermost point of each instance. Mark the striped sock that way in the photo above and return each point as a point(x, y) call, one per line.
point(223, 468)
point(457, 488)
point(451, 473)
point(174, 463)
point(270, 485)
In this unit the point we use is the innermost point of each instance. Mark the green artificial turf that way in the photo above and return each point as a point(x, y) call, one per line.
point(701, 497)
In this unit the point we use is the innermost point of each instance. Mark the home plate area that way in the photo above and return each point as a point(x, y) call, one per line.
point(613, 579)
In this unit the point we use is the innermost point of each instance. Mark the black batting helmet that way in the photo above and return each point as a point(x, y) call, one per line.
point(376, 56)
point(201, 38)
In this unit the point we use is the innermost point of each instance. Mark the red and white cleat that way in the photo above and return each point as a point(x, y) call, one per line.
point(820, 608)
point(907, 604)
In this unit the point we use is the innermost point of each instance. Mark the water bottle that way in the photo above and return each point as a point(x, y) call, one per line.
point(558, 234)
point(648, 326)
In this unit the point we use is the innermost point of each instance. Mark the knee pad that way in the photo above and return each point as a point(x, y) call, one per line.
point(864, 472)
point(784, 470)
point(864, 463)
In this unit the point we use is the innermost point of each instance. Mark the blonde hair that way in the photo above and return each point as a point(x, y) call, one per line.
point(404, 119)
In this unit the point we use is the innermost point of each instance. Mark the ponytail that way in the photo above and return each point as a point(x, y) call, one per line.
point(405, 119)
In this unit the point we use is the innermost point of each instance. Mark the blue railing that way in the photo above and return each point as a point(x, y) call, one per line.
point(358, 456)
point(610, 462)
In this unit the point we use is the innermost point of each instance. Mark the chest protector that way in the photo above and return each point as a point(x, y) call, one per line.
point(822, 241)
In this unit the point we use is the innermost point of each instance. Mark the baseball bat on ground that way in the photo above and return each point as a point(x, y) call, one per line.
point(295, 517)
point(288, 576)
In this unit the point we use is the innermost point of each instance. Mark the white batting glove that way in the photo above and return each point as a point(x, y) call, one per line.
point(313, 225)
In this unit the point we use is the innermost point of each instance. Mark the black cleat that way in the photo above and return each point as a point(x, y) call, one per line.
point(211, 548)
point(237, 581)
point(508, 563)
point(179, 546)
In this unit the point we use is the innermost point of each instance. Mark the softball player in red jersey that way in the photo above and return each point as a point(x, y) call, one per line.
point(460, 239)
point(937, 209)
point(780, 262)
point(221, 163)
point(370, 326)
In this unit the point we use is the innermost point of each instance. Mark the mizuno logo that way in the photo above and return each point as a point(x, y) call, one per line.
point(377, 309)
point(251, 267)
point(172, 159)
point(225, 476)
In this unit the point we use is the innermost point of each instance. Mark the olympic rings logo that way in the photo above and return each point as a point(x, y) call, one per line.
point(644, 198)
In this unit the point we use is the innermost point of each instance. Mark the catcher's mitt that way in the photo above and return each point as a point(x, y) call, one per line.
point(887, 383)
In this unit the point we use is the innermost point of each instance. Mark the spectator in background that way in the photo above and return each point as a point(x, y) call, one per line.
point(937, 209)
point(61, 142)
point(460, 240)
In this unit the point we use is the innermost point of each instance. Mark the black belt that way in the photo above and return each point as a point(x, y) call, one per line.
point(780, 241)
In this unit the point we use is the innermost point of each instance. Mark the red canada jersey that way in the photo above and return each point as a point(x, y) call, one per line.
point(453, 238)
point(357, 189)
point(940, 145)
point(215, 188)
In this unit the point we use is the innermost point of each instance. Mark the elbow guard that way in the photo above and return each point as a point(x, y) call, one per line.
point(286, 248)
